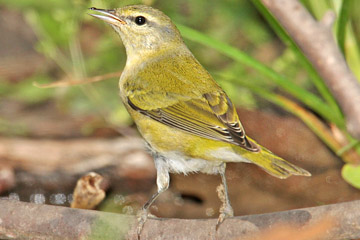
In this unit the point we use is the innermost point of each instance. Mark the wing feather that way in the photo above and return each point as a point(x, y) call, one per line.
point(212, 116)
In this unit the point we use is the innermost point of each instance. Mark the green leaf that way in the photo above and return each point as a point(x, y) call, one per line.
point(342, 23)
point(351, 174)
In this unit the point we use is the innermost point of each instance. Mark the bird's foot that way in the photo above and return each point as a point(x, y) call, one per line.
point(226, 212)
point(225, 209)
point(142, 216)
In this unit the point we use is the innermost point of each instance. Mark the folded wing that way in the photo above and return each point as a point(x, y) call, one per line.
point(211, 116)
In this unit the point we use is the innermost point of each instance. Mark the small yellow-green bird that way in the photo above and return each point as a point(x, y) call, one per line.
point(187, 120)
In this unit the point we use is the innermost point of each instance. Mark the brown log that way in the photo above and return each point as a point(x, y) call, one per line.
point(19, 220)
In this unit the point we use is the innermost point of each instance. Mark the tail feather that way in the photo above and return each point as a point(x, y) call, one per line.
point(276, 166)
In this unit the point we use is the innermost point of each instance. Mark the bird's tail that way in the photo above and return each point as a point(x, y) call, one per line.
point(274, 165)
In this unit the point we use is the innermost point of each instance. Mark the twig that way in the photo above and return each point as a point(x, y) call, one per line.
point(75, 82)
point(19, 220)
point(316, 41)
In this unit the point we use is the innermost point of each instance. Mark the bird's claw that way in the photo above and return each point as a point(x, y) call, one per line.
point(225, 213)
point(141, 217)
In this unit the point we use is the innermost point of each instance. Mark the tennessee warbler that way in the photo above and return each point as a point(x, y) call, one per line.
point(186, 119)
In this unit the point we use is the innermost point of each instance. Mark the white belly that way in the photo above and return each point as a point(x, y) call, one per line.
point(176, 163)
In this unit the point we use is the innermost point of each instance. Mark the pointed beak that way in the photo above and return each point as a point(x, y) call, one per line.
point(108, 16)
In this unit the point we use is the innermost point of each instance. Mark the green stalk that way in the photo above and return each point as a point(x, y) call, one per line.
point(342, 23)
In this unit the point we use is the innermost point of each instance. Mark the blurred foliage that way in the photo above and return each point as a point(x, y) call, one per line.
point(347, 32)
point(80, 47)
point(351, 174)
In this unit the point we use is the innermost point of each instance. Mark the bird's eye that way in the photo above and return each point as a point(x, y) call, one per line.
point(140, 20)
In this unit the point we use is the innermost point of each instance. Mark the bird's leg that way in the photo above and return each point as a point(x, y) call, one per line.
point(162, 181)
point(226, 209)
point(144, 212)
